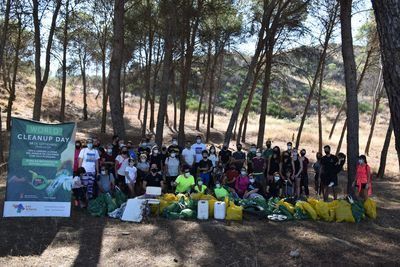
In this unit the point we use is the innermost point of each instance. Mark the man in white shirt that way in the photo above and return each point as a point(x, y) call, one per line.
point(198, 148)
point(89, 159)
point(188, 155)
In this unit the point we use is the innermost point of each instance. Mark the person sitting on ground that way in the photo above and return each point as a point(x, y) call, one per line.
point(328, 172)
point(200, 187)
point(171, 170)
point(130, 177)
point(204, 168)
point(154, 178)
point(250, 156)
point(78, 189)
point(275, 186)
point(225, 156)
point(231, 175)
point(242, 182)
point(220, 191)
point(185, 182)
point(106, 180)
point(254, 189)
point(363, 179)
point(239, 157)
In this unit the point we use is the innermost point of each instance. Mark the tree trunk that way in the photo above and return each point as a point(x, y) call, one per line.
point(328, 35)
point(247, 80)
point(155, 82)
point(169, 38)
point(373, 119)
point(203, 87)
point(4, 31)
point(123, 88)
point(84, 84)
point(321, 80)
point(211, 91)
point(64, 62)
point(387, 16)
point(41, 82)
point(105, 93)
point(199, 110)
point(385, 149)
point(114, 81)
point(351, 92)
point(244, 130)
point(140, 108)
point(147, 83)
point(339, 147)
point(1, 139)
point(174, 96)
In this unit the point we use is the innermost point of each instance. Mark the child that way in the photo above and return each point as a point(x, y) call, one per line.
point(106, 180)
point(78, 189)
point(363, 178)
point(130, 177)
point(220, 192)
point(253, 189)
point(200, 187)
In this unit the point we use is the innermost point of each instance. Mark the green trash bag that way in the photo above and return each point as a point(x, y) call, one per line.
point(187, 214)
point(299, 214)
point(174, 207)
point(171, 215)
point(120, 197)
point(357, 208)
point(98, 206)
point(284, 211)
point(191, 204)
point(271, 205)
point(111, 205)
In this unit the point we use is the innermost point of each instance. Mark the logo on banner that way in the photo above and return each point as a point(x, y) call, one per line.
point(19, 207)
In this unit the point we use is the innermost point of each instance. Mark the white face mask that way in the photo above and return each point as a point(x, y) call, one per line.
point(218, 186)
point(252, 180)
point(174, 142)
point(277, 178)
point(155, 152)
point(243, 173)
point(212, 150)
point(187, 174)
point(103, 172)
point(360, 161)
point(258, 154)
point(173, 155)
point(143, 160)
point(200, 183)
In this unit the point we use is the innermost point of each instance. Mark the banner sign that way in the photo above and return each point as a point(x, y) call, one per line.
point(39, 178)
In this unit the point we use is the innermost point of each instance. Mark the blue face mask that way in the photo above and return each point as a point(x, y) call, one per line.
point(90, 145)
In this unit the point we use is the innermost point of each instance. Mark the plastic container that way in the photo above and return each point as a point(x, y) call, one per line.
point(202, 210)
point(219, 210)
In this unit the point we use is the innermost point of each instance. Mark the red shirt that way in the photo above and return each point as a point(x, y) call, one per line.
point(76, 159)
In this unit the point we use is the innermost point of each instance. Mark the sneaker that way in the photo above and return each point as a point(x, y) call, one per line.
point(331, 184)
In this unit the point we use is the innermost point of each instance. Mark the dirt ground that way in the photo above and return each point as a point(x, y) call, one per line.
point(83, 240)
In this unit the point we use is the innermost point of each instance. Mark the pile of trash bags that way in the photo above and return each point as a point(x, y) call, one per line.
point(183, 206)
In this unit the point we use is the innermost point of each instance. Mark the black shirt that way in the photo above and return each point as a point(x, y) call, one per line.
point(225, 155)
point(156, 160)
point(328, 164)
point(205, 164)
point(239, 155)
point(153, 180)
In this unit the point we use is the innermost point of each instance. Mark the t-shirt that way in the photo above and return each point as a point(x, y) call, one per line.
point(214, 159)
point(258, 165)
point(239, 155)
point(184, 183)
point(253, 186)
point(198, 149)
point(362, 173)
point(221, 192)
point(132, 173)
point(132, 154)
point(268, 153)
point(328, 166)
point(105, 181)
point(143, 166)
point(173, 166)
point(305, 166)
point(89, 158)
point(242, 182)
point(188, 156)
point(156, 160)
point(225, 155)
point(200, 190)
point(153, 180)
point(205, 164)
point(122, 164)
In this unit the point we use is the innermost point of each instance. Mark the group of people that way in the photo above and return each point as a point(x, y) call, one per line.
point(196, 168)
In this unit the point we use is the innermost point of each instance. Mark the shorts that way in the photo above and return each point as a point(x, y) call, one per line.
point(129, 181)
point(363, 186)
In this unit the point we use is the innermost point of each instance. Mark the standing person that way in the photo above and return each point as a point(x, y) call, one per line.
point(328, 172)
point(274, 163)
point(198, 148)
point(287, 173)
point(78, 189)
point(189, 156)
point(317, 169)
point(250, 156)
point(298, 170)
point(157, 158)
point(131, 151)
point(239, 157)
point(106, 180)
point(204, 168)
point(115, 146)
point(174, 147)
point(289, 148)
point(89, 160)
point(225, 156)
point(185, 182)
point(121, 162)
point(268, 150)
point(143, 148)
point(242, 182)
point(213, 156)
point(154, 178)
point(130, 177)
point(78, 147)
point(259, 165)
point(363, 179)
point(171, 171)
point(304, 173)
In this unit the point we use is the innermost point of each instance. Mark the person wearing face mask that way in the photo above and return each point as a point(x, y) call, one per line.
point(250, 156)
point(220, 191)
point(143, 167)
point(213, 156)
point(184, 183)
point(289, 148)
point(157, 158)
point(171, 170)
point(239, 157)
point(317, 168)
point(363, 181)
point(200, 187)
point(219, 174)
point(154, 178)
point(131, 151)
point(242, 182)
point(268, 150)
point(287, 173)
point(298, 170)
point(204, 168)
point(78, 147)
point(174, 147)
point(143, 148)
point(89, 159)
point(254, 189)
point(328, 172)
point(198, 148)
point(259, 167)
point(115, 146)
point(188, 156)
point(231, 175)
point(275, 186)
point(274, 162)
point(121, 162)
point(225, 156)
point(304, 173)
point(130, 177)
point(106, 180)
